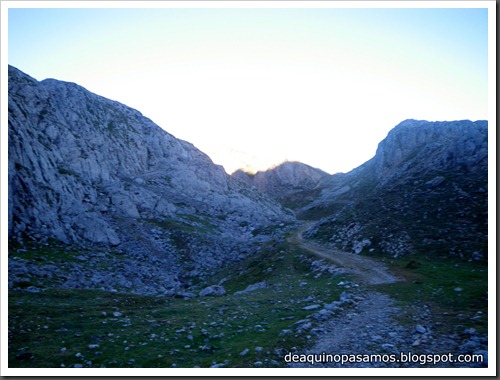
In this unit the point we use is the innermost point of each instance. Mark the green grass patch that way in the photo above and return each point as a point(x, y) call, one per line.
point(455, 289)
point(67, 172)
point(111, 127)
point(52, 251)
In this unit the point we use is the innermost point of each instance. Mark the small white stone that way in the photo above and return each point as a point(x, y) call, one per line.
point(311, 307)
point(420, 329)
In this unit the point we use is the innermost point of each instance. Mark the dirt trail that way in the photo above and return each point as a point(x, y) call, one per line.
point(366, 269)
point(369, 327)
point(371, 324)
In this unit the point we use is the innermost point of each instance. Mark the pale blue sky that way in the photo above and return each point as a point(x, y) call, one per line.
point(257, 86)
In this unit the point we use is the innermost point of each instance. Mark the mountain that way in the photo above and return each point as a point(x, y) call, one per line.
point(89, 172)
point(130, 248)
point(425, 190)
point(105, 198)
point(284, 181)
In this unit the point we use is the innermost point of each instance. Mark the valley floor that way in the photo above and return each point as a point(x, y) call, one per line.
point(294, 299)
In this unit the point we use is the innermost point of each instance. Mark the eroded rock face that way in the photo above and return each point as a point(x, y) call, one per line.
point(88, 170)
point(419, 145)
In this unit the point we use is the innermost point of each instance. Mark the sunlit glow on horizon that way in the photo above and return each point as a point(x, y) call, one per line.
point(255, 87)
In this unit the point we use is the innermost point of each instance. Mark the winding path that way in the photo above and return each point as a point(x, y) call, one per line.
point(354, 330)
point(365, 269)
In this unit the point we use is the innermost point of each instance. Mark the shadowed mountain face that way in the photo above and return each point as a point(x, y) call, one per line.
point(424, 191)
point(283, 182)
point(87, 170)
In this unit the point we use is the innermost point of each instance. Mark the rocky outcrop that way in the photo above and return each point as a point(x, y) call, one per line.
point(87, 170)
point(424, 191)
point(419, 147)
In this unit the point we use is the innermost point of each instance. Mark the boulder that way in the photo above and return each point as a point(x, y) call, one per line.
point(213, 290)
point(251, 288)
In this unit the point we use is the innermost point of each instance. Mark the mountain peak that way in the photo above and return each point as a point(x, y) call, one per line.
point(284, 178)
point(463, 141)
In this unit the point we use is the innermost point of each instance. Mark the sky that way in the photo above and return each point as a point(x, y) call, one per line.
point(255, 87)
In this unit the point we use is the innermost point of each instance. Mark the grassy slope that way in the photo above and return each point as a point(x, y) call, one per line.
point(448, 220)
point(434, 282)
point(163, 332)
point(166, 332)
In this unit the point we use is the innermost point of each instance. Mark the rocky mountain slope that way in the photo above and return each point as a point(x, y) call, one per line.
point(90, 172)
point(425, 190)
point(283, 182)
